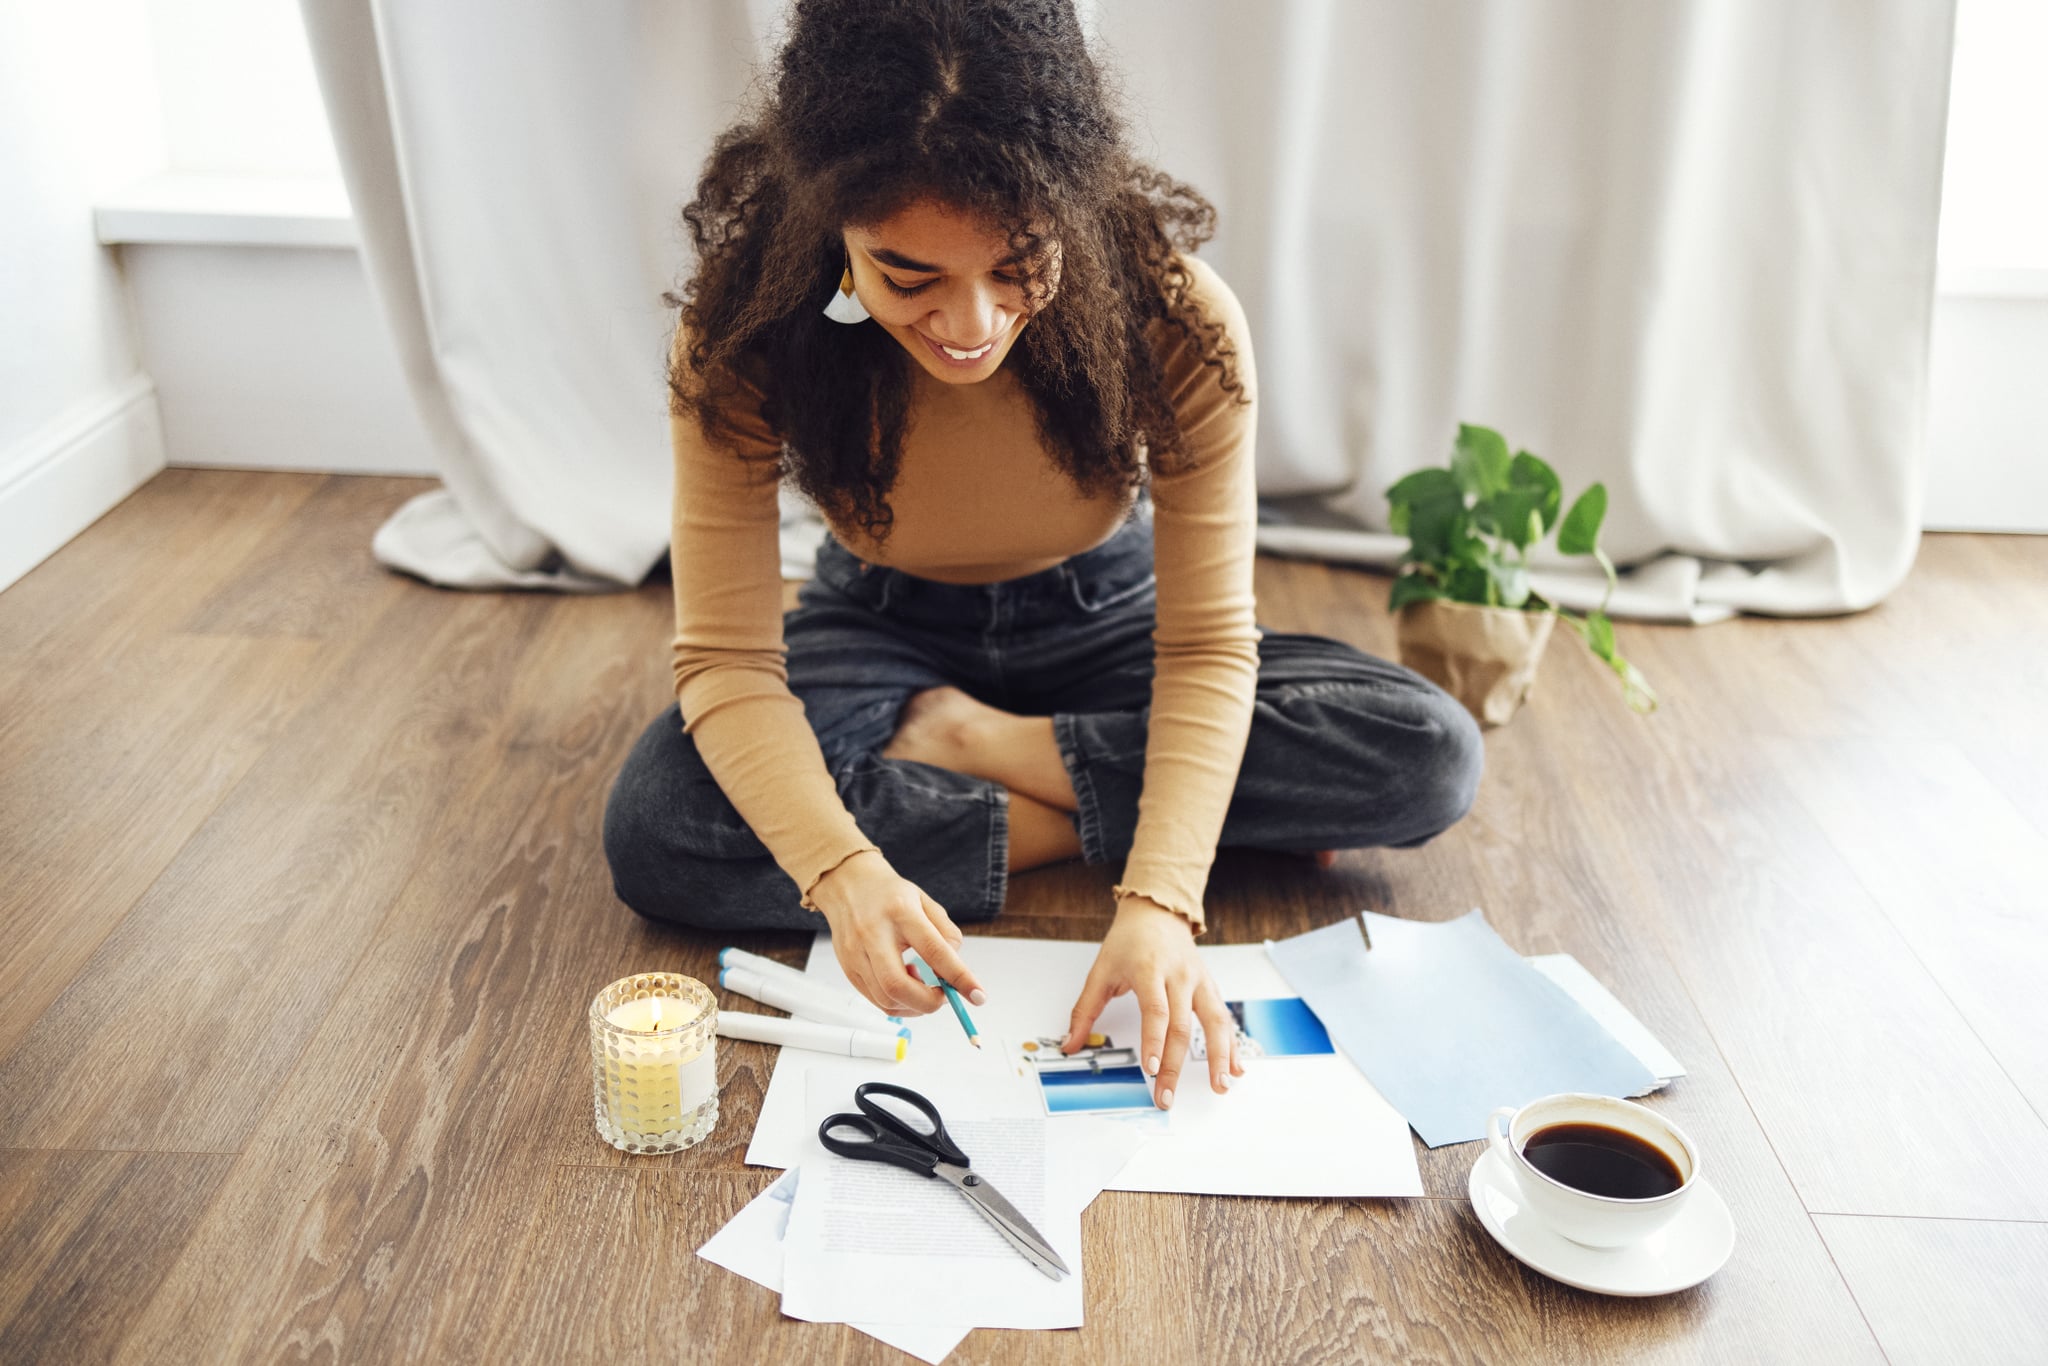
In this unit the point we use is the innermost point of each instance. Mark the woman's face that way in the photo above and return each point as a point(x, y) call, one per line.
point(935, 279)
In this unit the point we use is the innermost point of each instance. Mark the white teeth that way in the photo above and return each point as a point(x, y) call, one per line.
point(964, 355)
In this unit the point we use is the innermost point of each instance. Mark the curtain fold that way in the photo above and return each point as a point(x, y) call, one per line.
point(1686, 249)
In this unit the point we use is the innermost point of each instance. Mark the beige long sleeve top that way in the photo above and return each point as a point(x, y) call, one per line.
point(1005, 512)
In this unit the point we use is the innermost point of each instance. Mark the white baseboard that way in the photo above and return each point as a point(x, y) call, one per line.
point(1986, 410)
point(64, 477)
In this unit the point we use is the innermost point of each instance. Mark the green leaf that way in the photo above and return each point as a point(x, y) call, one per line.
point(1580, 531)
point(1511, 582)
point(1600, 635)
point(1598, 632)
point(1432, 527)
point(1397, 519)
point(1528, 473)
point(1513, 511)
point(1411, 588)
point(1480, 462)
point(1635, 689)
point(1470, 583)
point(1422, 486)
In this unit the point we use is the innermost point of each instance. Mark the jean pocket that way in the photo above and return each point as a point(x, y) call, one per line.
point(1100, 593)
point(840, 570)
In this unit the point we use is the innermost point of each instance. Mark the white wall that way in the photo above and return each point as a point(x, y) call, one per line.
point(239, 96)
point(273, 357)
point(79, 116)
point(1986, 404)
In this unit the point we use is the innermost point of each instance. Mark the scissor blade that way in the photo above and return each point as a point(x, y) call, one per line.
point(1005, 1217)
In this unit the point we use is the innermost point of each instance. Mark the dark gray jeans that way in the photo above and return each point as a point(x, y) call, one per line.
point(1345, 751)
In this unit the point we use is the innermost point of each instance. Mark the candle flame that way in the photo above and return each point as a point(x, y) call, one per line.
point(656, 1003)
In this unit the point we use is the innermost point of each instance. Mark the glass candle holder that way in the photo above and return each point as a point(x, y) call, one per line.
point(654, 1062)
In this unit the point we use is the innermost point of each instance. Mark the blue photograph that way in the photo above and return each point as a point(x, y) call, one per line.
point(1283, 1027)
point(1082, 1090)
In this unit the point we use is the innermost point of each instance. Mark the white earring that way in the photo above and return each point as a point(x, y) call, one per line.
point(846, 306)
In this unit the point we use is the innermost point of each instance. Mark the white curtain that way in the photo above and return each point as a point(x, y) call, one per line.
point(1685, 248)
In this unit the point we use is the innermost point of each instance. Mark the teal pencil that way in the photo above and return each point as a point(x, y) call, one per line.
point(959, 1006)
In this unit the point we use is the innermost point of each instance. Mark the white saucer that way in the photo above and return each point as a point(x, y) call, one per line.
point(1692, 1247)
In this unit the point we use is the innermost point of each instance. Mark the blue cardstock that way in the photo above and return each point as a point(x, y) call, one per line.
point(1448, 1022)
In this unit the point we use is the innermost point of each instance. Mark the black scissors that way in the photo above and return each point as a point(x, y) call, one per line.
point(892, 1137)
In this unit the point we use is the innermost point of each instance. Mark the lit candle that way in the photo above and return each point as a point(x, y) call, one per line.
point(655, 1066)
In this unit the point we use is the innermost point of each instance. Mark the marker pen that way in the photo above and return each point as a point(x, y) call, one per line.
point(768, 967)
point(821, 1038)
point(806, 999)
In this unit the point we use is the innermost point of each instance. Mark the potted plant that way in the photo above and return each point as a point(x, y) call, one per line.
point(1466, 618)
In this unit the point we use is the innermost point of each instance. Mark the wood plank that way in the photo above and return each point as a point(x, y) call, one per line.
point(1941, 1290)
point(228, 963)
point(146, 563)
point(312, 578)
point(609, 1272)
point(432, 1080)
point(107, 783)
point(1815, 1002)
point(88, 1236)
point(1955, 653)
point(2017, 765)
point(1968, 901)
point(122, 733)
point(1422, 1281)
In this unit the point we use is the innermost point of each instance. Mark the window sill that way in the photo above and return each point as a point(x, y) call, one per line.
point(1991, 282)
point(223, 210)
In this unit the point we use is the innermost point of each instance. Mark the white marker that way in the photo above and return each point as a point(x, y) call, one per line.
point(820, 1038)
point(768, 967)
point(807, 999)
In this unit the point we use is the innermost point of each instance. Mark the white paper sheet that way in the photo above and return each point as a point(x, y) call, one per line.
point(885, 1245)
point(1300, 1126)
point(751, 1244)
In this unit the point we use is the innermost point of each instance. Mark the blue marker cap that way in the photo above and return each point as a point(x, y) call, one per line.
point(721, 956)
point(721, 976)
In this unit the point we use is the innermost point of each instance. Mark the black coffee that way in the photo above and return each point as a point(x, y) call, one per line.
point(1602, 1161)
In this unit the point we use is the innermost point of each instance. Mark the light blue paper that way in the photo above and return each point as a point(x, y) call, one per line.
point(1448, 1022)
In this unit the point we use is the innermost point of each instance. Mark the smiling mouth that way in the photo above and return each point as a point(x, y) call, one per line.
point(958, 356)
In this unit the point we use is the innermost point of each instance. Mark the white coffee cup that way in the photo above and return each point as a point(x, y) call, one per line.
point(1583, 1217)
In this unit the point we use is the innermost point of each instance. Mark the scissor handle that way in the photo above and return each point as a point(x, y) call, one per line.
point(935, 1138)
point(876, 1144)
point(932, 1139)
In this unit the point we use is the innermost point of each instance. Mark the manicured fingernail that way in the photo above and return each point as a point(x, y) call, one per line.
point(978, 996)
point(1227, 1080)
point(1152, 1066)
point(1166, 1099)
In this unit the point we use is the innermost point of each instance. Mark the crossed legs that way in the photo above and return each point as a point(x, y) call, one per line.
point(949, 729)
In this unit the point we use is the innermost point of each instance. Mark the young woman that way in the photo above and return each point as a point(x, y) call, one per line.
point(936, 292)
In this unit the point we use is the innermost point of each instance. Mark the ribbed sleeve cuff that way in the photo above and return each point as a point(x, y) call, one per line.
point(1190, 911)
point(818, 877)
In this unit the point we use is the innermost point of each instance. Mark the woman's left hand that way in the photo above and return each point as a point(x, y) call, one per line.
point(1150, 951)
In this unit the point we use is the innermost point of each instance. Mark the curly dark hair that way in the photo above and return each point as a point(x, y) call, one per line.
point(993, 108)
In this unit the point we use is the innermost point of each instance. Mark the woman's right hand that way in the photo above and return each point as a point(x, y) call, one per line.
point(875, 914)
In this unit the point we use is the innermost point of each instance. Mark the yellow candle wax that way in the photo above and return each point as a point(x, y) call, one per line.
point(653, 1078)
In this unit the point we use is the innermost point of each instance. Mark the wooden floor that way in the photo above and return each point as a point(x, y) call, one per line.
point(304, 900)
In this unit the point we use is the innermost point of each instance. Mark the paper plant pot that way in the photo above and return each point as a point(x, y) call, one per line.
point(1484, 656)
